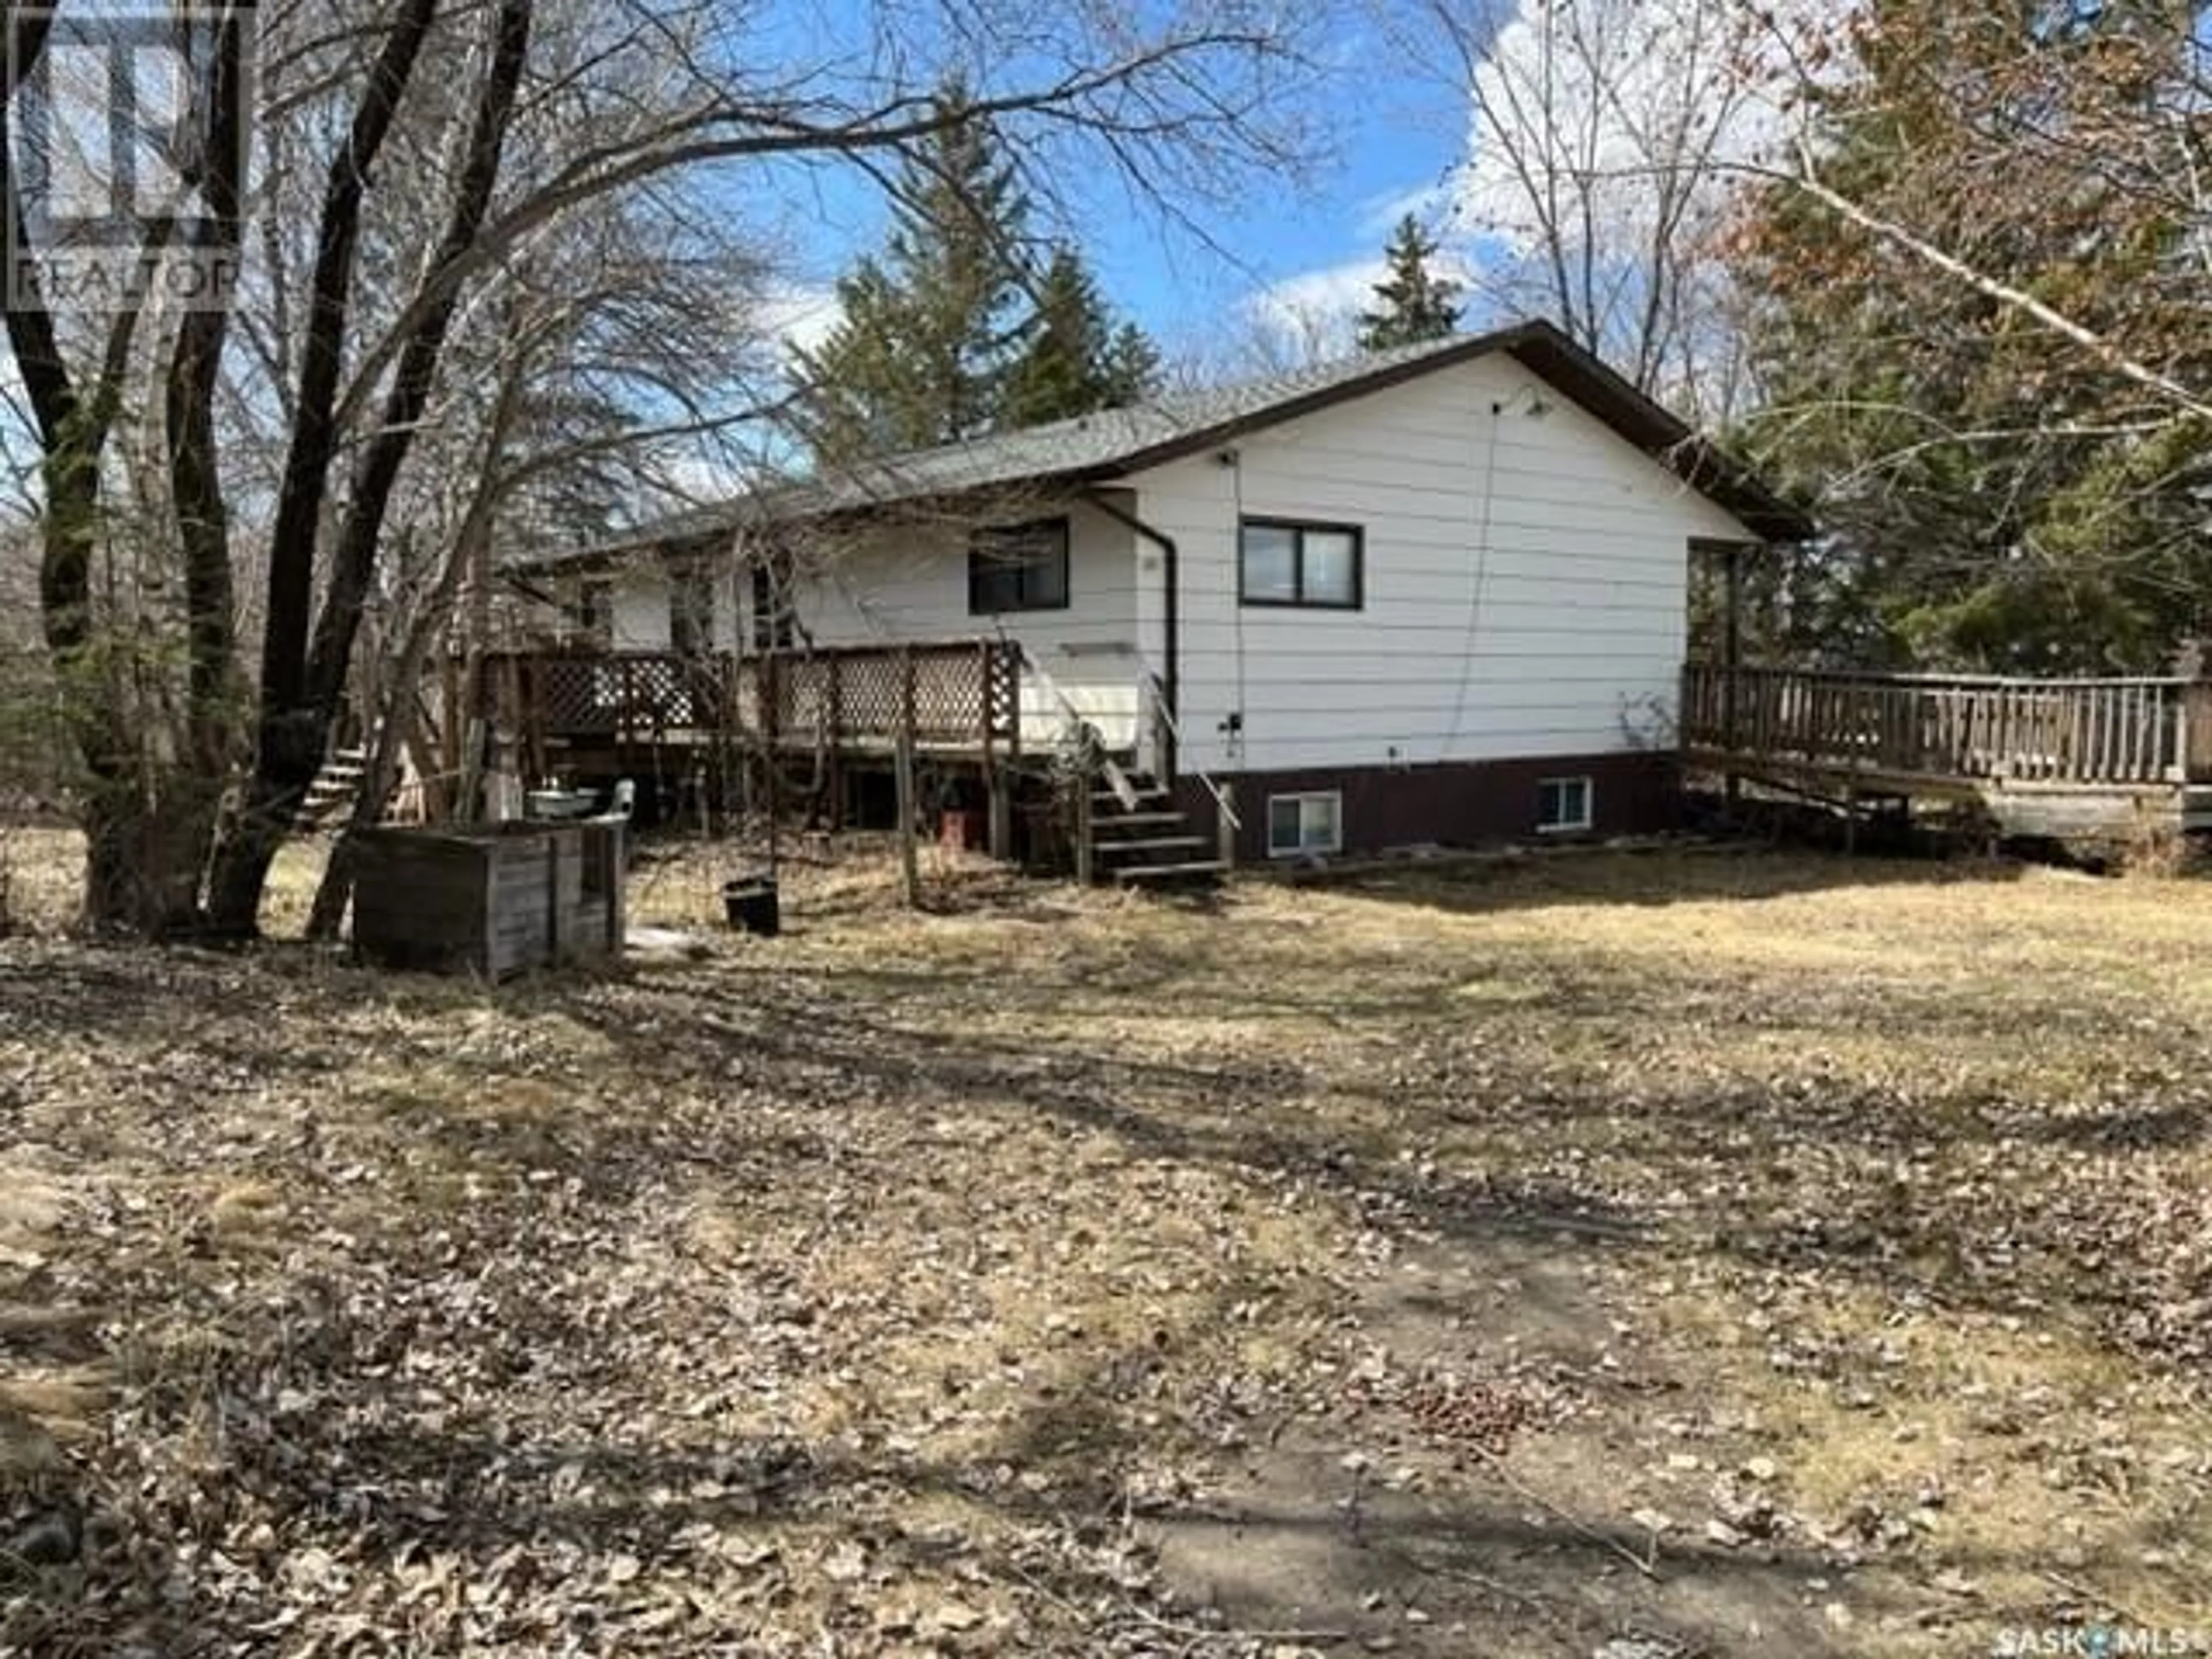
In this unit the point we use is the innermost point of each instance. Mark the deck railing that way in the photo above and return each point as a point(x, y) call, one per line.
point(964, 694)
point(2143, 731)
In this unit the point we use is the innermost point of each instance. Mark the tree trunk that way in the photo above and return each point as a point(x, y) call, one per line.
point(304, 672)
point(145, 851)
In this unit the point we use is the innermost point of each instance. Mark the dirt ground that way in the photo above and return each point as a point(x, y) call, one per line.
point(1688, 1252)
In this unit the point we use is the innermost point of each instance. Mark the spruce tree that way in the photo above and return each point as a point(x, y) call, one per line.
point(1073, 358)
point(1417, 304)
point(928, 330)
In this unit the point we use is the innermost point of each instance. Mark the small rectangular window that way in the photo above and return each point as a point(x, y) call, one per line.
point(1563, 803)
point(1017, 568)
point(1302, 824)
point(1316, 565)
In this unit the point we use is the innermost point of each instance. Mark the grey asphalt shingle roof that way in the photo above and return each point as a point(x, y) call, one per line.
point(1091, 448)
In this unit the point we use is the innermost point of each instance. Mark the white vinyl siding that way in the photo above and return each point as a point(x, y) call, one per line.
point(1524, 582)
point(910, 582)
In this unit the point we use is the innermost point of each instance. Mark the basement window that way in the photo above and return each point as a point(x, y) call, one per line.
point(1301, 826)
point(1020, 567)
point(1562, 805)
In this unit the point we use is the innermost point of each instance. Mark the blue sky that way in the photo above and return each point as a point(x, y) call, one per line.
point(1392, 136)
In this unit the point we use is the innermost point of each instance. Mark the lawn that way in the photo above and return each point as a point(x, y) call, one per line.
point(1684, 1253)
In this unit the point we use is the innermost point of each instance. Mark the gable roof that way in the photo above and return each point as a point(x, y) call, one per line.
point(1099, 448)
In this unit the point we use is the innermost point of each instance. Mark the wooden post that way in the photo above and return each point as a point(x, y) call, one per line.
point(2193, 734)
point(617, 871)
point(1732, 667)
point(556, 844)
point(1001, 784)
point(909, 867)
point(1225, 831)
point(1085, 781)
point(906, 690)
point(834, 715)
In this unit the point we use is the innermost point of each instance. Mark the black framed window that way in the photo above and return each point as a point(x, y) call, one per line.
point(1020, 567)
point(1288, 562)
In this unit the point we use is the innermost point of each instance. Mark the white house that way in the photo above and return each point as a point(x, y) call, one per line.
point(1438, 595)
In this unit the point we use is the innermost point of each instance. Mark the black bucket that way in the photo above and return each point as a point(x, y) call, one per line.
point(752, 905)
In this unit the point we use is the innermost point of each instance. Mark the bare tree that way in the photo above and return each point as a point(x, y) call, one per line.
point(1597, 185)
point(340, 344)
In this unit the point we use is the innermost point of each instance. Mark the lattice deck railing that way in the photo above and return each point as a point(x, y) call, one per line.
point(964, 694)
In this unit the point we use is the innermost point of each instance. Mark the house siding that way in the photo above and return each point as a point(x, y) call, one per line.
point(1525, 585)
point(910, 582)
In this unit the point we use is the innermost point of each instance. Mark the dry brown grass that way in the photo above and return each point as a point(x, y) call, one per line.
point(942, 1253)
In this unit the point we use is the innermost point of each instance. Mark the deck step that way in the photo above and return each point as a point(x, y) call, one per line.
point(1136, 820)
point(1107, 798)
point(1195, 869)
point(1150, 844)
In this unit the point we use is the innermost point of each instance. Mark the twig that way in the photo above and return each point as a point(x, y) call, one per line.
point(2096, 1597)
point(1522, 1489)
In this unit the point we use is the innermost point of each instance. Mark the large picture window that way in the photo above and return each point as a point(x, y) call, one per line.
point(1282, 562)
point(1017, 568)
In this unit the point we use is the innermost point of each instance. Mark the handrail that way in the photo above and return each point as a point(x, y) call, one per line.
point(2143, 731)
point(1161, 707)
point(1939, 682)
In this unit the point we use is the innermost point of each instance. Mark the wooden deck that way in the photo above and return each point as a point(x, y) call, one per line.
point(962, 697)
point(2067, 758)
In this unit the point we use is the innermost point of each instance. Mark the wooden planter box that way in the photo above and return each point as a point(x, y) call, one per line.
point(498, 900)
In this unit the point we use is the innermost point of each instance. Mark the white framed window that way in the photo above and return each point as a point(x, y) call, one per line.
point(1302, 824)
point(1563, 803)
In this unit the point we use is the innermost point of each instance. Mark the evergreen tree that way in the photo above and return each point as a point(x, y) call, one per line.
point(1417, 304)
point(1996, 499)
point(1073, 358)
point(929, 331)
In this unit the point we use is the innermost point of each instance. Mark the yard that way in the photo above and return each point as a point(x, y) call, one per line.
point(1684, 1253)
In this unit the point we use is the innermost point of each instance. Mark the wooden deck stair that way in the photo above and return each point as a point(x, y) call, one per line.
point(1139, 837)
point(330, 796)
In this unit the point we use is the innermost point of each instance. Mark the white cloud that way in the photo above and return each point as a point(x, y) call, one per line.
point(1315, 314)
point(1607, 112)
point(801, 313)
point(1379, 214)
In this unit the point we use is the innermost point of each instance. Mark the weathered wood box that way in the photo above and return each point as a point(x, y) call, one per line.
point(496, 900)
